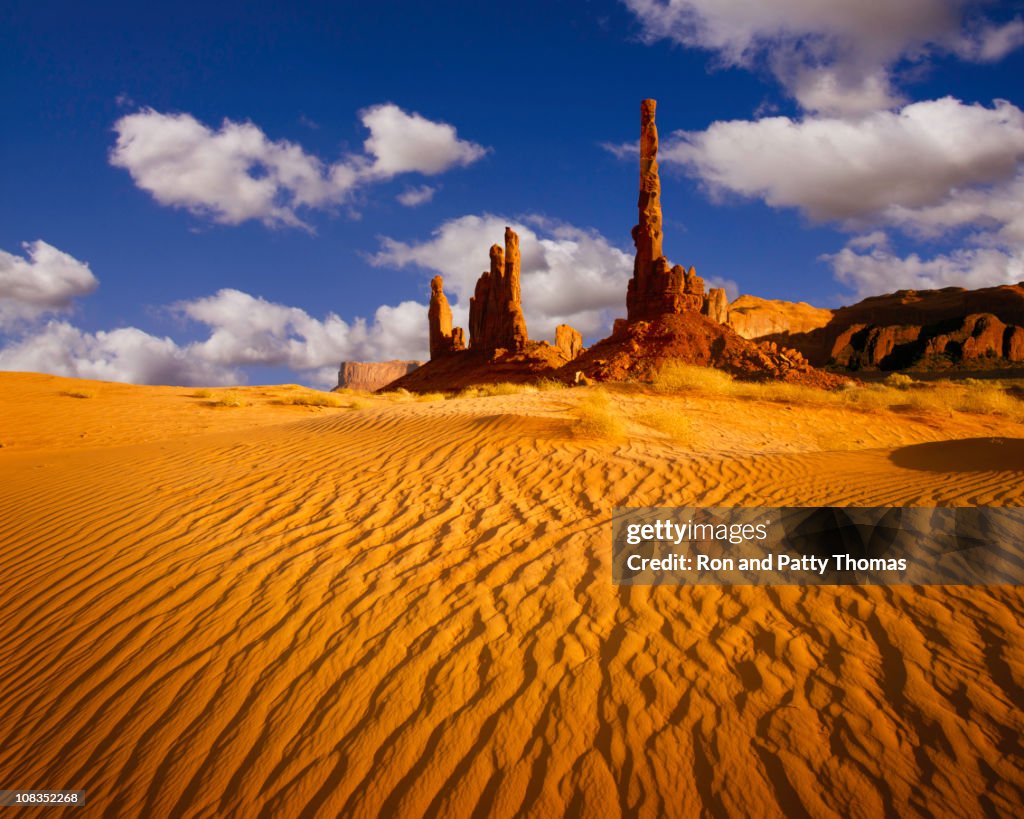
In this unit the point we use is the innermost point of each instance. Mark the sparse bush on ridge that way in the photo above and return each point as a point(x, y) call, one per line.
point(677, 375)
point(229, 399)
point(79, 393)
point(669, 421)
point(487, 390)
point(899, 380)
point(597, 417)
point(314, 399)
point(899, 391)
point(549, 384)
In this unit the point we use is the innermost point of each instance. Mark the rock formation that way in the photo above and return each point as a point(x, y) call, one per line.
point(444, 340)
point(495, 310)
point(754, 317)
point(925, 329)
point(669, 319)
point(657, 288)
point(716, 306)
point(372, 375)
point(568, 341)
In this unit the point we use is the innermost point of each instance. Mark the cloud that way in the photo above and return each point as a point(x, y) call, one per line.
point(242, 331)
point(933, 170)
point(868, 265)
point(44, 280)
point(569, 275)
point(401, 142)
point(833, 57)
point(125, 354)
point(412, 197)
point(236, 173)
point(246, 330)
point(840, 169)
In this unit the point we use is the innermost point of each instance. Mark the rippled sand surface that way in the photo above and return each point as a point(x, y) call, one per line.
point(406, 609)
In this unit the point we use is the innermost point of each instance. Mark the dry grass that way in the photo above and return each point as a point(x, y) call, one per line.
point(668, 421)
point(229, 399)
point(597, 417)
point(549, 384)
point(675, 376)
point(501, 388)
point(505, 388)
point(79, 393)
point(202, 394)
point(314, 399)
point(898, 392)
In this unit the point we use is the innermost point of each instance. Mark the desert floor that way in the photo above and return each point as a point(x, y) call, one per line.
point(405, 608)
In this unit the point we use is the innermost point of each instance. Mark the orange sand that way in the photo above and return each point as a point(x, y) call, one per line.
point(406, 609)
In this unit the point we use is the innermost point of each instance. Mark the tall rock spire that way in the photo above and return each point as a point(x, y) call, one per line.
point(495, 312)
point(656, 287)
point(443, 338)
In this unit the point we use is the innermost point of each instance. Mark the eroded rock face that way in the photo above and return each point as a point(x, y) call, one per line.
point(754, 317)
point(495, 311)
point(889, 347)
point(1013, 343)
point(372, 375)
point(568, 341)
point(443, 339)
point(716, 306)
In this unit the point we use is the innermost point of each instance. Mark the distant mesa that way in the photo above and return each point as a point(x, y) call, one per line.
point(372, 375)
point(919, 330)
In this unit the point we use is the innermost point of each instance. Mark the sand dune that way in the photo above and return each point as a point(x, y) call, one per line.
point(407, 609)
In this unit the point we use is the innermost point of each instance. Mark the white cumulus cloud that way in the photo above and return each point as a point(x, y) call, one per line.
point(44, 280)
point(125, 354)
point(869, 266)
point(413, 197)
point(838, 56)
point(837, 169)
point(400, 142)
point(236, 173)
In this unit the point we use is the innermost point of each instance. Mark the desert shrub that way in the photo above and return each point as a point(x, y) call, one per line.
point(314, 399)
point(674, 376)
point(359, 404)
point(782, 392)
point(504, 388)
point(431, 396)
point(79, 393)
point(597, 417)
point(229, 399)
point(899, 380)
point(669, 421)
point(202, 393)
point(988, 399)
point(548, 385)
point(398, 396)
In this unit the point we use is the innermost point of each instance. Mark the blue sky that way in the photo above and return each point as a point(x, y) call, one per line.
point(190, 196)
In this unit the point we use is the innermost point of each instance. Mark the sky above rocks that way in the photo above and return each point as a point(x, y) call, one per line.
point(212, 194)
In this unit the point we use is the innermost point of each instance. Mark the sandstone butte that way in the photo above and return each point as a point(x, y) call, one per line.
point(372, 375)
point(951, 328)
point(668, 316)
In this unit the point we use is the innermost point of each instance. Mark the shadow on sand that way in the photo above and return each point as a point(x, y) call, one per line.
point(963, 455)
